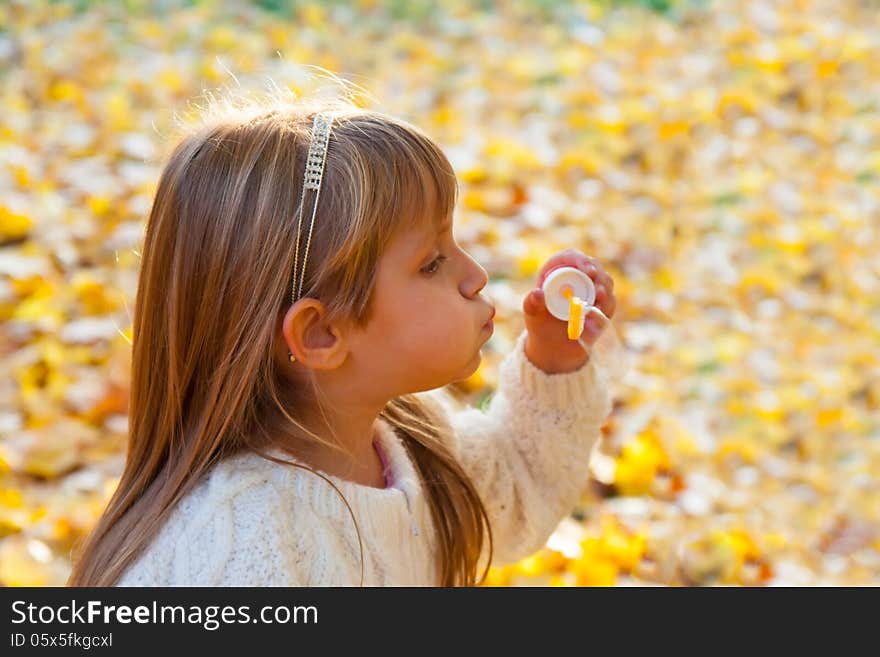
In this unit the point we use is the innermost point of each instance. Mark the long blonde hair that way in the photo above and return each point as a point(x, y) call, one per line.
point(205, 384)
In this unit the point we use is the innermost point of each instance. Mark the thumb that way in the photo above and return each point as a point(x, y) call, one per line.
point(533, 304)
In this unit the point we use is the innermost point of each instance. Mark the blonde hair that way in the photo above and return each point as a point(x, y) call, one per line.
point(205, 384)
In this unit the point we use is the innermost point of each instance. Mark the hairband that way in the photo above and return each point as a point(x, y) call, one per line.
point(312, 178)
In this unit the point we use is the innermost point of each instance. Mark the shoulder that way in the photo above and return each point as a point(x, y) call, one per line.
point(236, 526)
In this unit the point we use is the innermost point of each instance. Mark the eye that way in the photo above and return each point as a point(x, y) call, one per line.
point(437, 261)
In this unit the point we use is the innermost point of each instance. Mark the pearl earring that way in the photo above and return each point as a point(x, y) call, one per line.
point(290, 356)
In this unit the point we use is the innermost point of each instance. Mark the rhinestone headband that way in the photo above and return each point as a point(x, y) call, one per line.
point(314, 173)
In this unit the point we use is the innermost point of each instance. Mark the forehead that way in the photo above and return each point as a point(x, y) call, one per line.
point(412, 242)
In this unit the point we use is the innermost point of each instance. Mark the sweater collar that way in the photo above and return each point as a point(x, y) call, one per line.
point(404, 478)
point(403, 473)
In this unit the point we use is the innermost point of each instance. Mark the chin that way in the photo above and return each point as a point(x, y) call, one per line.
point(469, 368)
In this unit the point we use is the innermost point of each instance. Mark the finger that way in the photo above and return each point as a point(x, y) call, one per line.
point(534, 304)
point(593, 326)
point(610, 306)
point(605, 300)
point(594, 270)
point(566, 258)
point(598, 275)
point(590, 266)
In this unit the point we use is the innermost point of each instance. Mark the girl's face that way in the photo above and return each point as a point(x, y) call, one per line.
point(430, 320)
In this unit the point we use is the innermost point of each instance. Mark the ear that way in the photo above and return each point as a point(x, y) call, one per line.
point(314, 341)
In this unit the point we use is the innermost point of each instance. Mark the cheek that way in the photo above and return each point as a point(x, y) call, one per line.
point(436, 325)
point(427, 344)
point(420, 319)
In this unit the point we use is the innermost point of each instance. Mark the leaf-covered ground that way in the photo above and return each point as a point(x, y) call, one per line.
point(722, 161)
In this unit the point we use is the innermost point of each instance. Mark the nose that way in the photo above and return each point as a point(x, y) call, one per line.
point(474, 283)
point(482, 276)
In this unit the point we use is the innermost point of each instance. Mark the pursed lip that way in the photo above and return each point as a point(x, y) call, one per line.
point(489, 321)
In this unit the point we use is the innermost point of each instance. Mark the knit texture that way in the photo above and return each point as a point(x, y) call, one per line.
point(254, 522)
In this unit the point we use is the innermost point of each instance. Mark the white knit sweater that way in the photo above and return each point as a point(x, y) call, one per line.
point(254, 522)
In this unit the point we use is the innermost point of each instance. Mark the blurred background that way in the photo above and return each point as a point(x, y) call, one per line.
point(721, 159)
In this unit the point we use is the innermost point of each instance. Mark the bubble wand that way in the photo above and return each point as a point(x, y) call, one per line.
point(570, 295)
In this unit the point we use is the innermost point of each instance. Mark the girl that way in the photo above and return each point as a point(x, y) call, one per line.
point(301, 301)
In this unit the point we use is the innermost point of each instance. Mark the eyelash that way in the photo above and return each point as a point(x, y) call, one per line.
point(438, 259)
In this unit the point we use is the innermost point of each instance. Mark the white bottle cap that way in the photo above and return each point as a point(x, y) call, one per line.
point(581, 286)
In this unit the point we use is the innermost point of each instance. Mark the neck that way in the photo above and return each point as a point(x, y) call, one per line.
point(353, 428)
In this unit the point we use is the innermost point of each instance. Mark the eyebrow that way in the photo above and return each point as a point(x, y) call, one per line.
point(428, 238)
point(446, 225)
